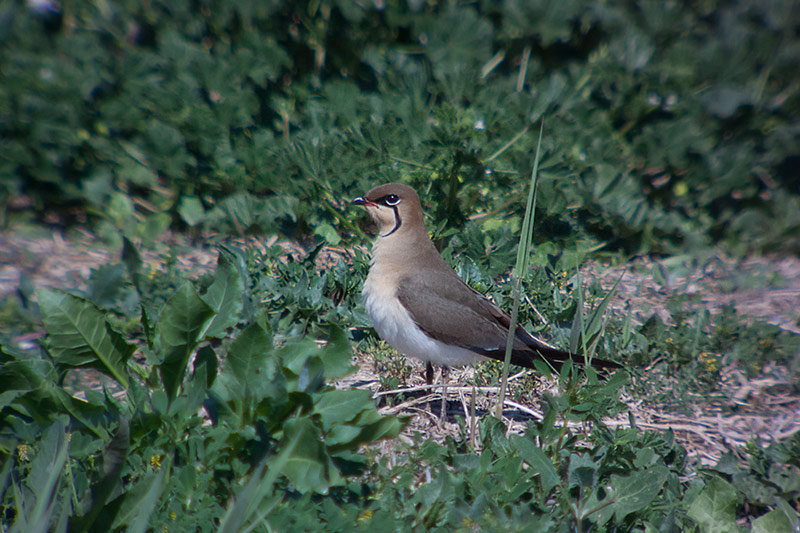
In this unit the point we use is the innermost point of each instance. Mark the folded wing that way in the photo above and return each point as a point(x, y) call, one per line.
point(455, 314)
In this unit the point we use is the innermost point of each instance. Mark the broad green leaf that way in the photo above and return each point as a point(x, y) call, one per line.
point(90, 415)
point(295, 355)
point(153, 226)
point(430, 496)
point(342, 436)
point(29, 385)
point(183, 319)
point(225, 297)
point(714, 509)
point(337, 354)
point(538, 461)
point(24, 375)
point(328, 233)
point(582, 471)
point(44, 477)
point(248, 355)
point(9, 397)
point(237, 258)
point(191, 210)
point(774, 521)
point(206, 361)
point(79, 335)
point(106, 284)
point(339, 406)
point(309, 467)
point(638, 490)
point(386, 427)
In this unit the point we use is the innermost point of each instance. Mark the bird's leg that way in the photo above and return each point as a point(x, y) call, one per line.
point(429, 375)
point(445, 377)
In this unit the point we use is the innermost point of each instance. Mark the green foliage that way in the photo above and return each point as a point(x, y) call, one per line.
point(245, 431)
point(547, 479)
point(80, 336)
point(764, 485)
point(770, 481)
point(296, 296)
point(697, 347)
point(150, 455)
point(670, 126)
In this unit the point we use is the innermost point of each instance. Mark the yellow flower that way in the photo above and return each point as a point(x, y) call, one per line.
point(22, 452)
point(709, 360)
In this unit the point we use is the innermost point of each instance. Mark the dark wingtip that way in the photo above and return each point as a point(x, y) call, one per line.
point(604, 364)
point(551, 356)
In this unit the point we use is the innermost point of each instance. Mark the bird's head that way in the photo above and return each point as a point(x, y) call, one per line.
point(394, 207)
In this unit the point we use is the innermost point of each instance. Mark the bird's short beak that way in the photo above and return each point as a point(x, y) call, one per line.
point(360, 200)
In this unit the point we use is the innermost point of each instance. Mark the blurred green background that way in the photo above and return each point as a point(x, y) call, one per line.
point(668, 125)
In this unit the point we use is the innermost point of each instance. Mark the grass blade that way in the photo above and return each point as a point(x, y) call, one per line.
point(523, 254)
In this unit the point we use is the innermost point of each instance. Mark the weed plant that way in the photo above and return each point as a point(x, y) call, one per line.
point(217, 416)
point(670, 126)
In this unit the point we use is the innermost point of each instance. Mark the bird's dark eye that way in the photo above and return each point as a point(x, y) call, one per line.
point(391, 199)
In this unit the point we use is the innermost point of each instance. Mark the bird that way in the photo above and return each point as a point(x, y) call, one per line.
point(422, 309)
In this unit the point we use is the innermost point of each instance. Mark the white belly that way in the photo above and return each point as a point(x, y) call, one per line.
point(395, 326)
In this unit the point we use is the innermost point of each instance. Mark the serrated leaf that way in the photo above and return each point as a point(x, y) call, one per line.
point(79, 335)
point(224, 296)
point(714, 509)
point(638, 490)
point(538, 461)
point(182, 322)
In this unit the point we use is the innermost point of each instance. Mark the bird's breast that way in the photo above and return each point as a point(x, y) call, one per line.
point(396, 326)
point(388, 315)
